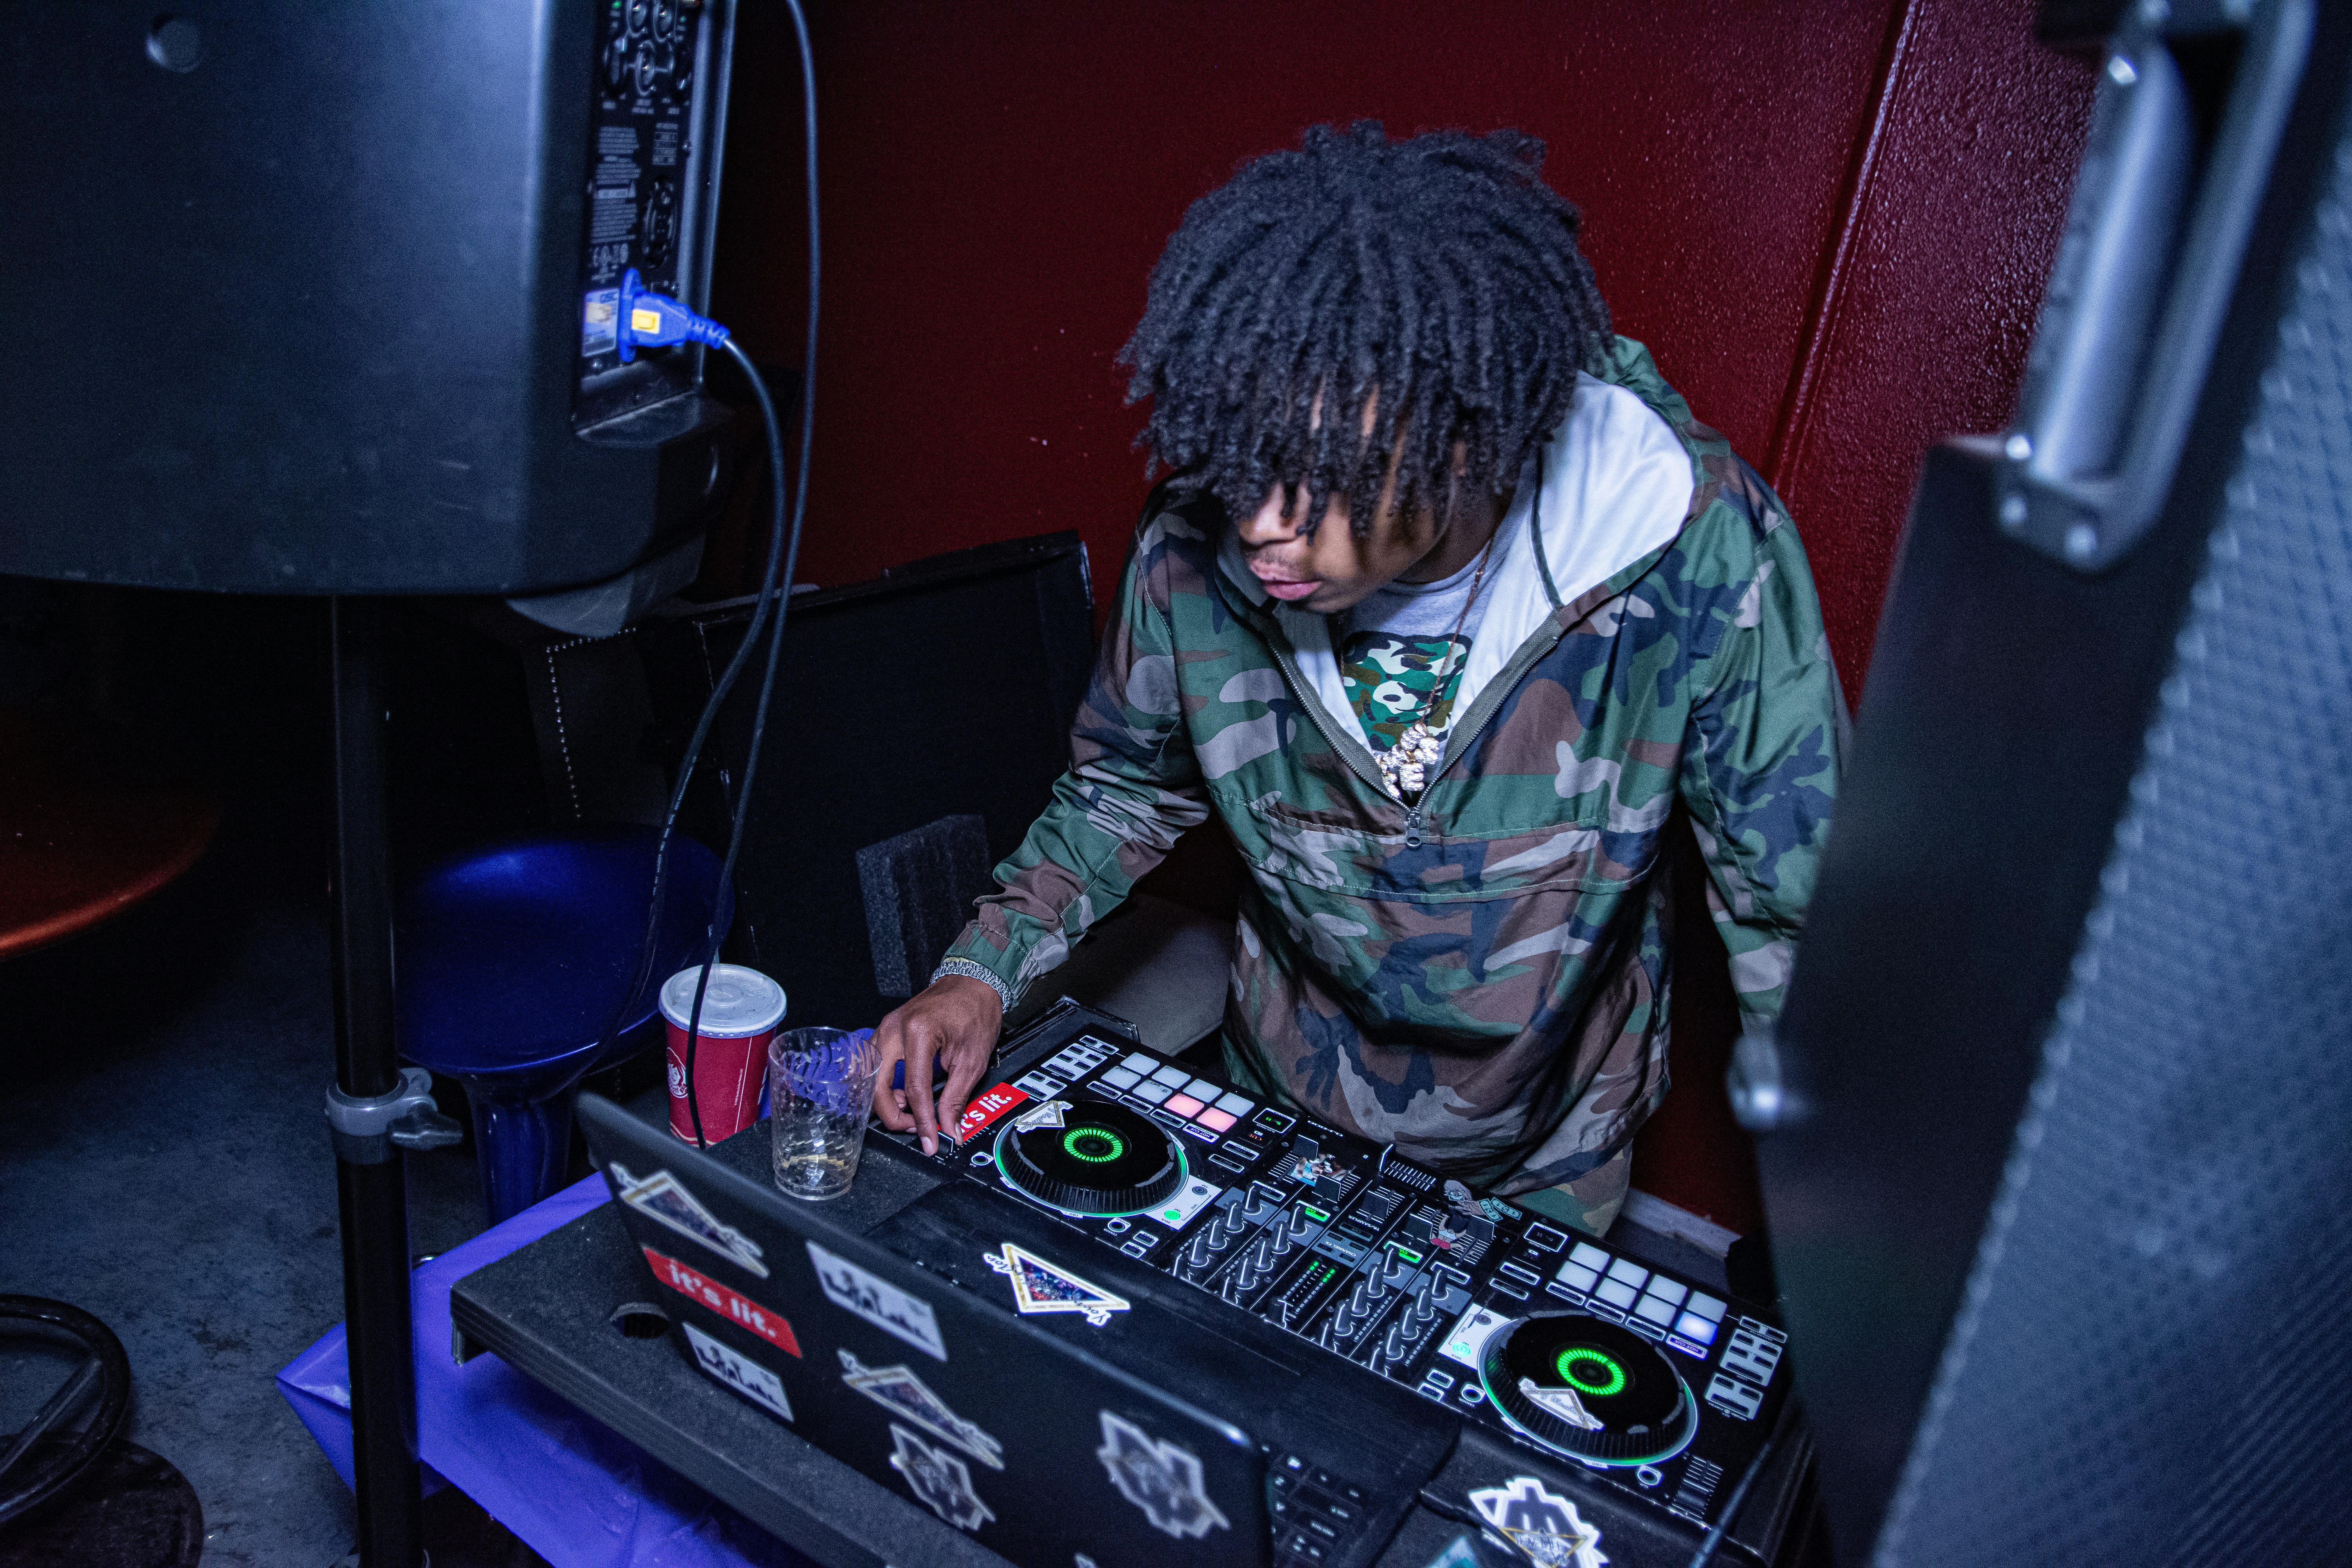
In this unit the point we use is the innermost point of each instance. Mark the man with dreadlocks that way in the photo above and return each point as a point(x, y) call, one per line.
point(1446, 602)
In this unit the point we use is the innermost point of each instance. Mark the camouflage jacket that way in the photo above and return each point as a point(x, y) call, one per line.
point(1480, 979)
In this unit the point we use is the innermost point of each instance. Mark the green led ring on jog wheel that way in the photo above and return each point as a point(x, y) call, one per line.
point(1095, 1159)
point(1590, 1389)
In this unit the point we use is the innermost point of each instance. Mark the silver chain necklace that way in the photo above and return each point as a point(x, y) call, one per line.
point(1405, 767)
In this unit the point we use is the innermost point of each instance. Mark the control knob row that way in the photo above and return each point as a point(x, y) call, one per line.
point(1406, 1331)
point(1360, 1304)
point(658, 18)
point(1215, 1236)
point(1265, 1254)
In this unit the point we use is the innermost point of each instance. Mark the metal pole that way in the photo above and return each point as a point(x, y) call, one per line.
point(373, 1193)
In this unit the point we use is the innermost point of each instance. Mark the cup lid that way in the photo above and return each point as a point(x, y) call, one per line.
point(737, 1001)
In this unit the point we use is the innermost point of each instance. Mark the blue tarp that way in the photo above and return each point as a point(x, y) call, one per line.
point(579, 1493)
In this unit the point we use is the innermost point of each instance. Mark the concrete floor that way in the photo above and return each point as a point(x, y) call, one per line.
point(166, 1167)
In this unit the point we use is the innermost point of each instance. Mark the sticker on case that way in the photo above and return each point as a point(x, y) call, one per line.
point(1046, 1115)
point(878, 1301)
point(663, 1199)
point(740, 1372)
point(940, 1482)
point(1040, 1287)
point(599, 309)
point(1161, 1478)
point(1458, 1554)
point(985, 1108)
point(696, 1285)
point(1539, 1522)
point(897, 1389)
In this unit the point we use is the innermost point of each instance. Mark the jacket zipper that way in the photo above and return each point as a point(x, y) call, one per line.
point(1356, 754)
point(1458, 738)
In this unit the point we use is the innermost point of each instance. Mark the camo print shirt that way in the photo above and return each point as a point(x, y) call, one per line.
point(1395, 647)
point(1480, 979)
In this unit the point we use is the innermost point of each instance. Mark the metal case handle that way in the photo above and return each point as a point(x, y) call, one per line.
point(2143, 279)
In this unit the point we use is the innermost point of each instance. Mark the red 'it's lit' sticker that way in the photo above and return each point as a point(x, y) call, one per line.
point(741, 1309)
point(985, 1108)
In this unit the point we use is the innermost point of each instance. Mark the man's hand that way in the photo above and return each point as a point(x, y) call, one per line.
point(953, 1024)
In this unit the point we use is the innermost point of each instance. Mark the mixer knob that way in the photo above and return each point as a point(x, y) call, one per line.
point(1425, 1304)
point(1393, 1342)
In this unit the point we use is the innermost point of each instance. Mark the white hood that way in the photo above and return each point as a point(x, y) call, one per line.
point(1613, 484)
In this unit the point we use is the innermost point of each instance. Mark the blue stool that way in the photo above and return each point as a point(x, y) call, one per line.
point(510, 961)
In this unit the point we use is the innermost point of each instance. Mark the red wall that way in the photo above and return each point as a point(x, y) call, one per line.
point(1829, 221)
point(1927, 305)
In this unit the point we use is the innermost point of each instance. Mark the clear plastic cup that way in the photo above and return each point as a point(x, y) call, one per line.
point(821, 1089)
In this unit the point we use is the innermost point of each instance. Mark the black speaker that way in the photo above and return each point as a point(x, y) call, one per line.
point(2057, 1115)
point(319, 297)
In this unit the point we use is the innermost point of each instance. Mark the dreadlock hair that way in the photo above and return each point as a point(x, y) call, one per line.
point(1435, 280)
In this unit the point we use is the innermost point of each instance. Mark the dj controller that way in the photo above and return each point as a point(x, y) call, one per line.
point(1660, 1388)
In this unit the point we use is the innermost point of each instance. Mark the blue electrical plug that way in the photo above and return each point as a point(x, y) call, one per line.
point(646, 320)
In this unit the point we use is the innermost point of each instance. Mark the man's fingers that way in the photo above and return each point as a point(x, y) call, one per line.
point(964, 1067)
point(934, 1044)
point(922, 1043)
point(889, 1104)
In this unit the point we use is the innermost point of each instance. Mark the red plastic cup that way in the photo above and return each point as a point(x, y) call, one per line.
point(740, 1010)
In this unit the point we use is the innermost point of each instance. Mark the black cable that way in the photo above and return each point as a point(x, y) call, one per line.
point(702, 724)
point(792, 549)
point(783, 551)
point(758, 720)
point(1715, 1536)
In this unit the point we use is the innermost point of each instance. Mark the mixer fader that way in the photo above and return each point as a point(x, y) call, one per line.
point(1504, 1317)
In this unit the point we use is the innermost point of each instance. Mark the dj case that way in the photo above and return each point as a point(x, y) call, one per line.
point(2057, 1170)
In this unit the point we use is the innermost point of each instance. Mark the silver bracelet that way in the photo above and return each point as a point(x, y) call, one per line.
point(967, 967)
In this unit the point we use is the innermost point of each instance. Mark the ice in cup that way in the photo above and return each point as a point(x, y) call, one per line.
point(740, 1010)
point(820, 1090)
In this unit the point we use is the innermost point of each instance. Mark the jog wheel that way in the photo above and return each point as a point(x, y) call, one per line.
point(1092, 1158)
point(1589, 1389)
